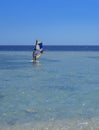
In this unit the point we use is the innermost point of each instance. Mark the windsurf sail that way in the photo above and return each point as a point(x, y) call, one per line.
point(39, 46)
point(38, 50)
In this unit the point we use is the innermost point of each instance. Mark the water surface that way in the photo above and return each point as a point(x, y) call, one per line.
point(63, 86)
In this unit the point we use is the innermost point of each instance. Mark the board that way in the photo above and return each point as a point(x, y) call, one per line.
point(34, 61)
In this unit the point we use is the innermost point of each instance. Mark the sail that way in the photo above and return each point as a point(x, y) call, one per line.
point(39, 46)
point(38, 49)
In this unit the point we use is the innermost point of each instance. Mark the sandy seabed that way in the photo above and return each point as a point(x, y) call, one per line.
point(74, 124)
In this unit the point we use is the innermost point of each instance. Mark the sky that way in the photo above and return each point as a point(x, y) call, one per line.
point(54, 22)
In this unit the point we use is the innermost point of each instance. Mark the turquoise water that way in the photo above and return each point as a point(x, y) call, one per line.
point(63, 85)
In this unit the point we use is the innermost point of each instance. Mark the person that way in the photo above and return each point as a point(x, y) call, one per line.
point(34, 54)
point(35, 51)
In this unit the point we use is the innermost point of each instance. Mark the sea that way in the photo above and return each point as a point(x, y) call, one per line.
point(59, 92)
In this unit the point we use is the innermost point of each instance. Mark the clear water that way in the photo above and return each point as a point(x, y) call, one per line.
point(63, 85)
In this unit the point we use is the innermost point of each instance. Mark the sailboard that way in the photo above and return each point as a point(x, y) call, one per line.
point(38, 51)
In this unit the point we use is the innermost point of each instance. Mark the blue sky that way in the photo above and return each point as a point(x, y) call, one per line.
point(55, 22)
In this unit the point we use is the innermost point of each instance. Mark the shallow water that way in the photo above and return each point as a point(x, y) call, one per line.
point(62, 88)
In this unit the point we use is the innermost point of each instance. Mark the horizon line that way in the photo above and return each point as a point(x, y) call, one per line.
point(47, 45)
